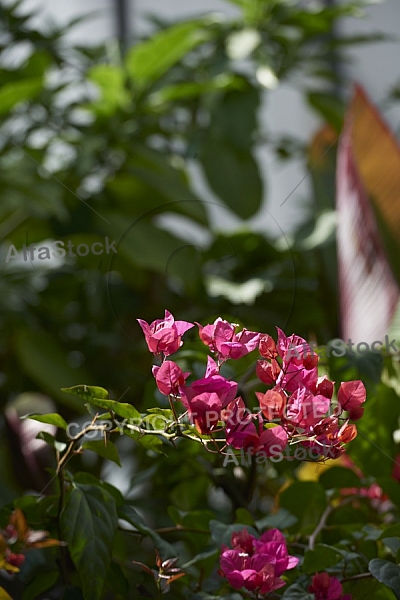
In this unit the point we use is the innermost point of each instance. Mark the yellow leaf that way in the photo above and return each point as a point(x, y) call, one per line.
point(4, 595)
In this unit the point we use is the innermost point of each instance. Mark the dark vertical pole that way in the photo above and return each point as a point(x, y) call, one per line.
point(334, 61)
point(122, 23)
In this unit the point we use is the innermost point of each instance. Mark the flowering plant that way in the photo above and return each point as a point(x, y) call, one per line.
point(287, 412)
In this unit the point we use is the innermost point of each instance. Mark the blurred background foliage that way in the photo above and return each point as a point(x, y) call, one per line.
point(97, 143)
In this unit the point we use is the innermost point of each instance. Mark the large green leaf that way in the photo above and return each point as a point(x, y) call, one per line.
point(320, 558)
point(99, 397)
point(188, 90)
point(149, 247)
point(110, 80)
point(129, 514)
point(148, 60)
point(87, 392)
point(386, 572)
point(329, 107)
point(226, 153)
point(39, 584)
point(88, 523)
point(104, 449)
point(306, 500)
point(339, 477)
point(233, 175)
point(369, 589)
point(51, 419)
point(18, 91)
point(46, 363)
point(297, 592)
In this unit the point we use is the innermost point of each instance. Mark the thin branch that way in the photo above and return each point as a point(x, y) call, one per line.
point(321, 524)
point(355, 577)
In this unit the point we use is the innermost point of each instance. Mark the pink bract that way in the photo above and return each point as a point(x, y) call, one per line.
point(221, 338)
point(164, 336)
point(169, 377)
point(256, 564)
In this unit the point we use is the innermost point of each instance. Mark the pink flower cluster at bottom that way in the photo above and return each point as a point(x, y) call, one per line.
point(325, 587)
point(256, 564)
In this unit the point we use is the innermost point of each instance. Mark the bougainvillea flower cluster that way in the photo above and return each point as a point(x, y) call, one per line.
point(299, 407)
point(301, 401)
point(256, 564)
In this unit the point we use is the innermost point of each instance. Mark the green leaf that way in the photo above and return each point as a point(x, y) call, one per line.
point(129, 514)
point(50, 418)
point(320, 559)
point(329, 107)
point(242, 515)
point(51, 440)
point(369, 589)
point(233, 175)
point(111, 82)
point(88, 524)
point(108, 451)
point(386, 572)
point(306, 500)
point(46, 363)
point(187, 90)
point(144, 245)
point(122, 409)
point(18, 91)
point(282, 519)
point(157, 183)
point(393, 531)
point(297, 592)
point(393, 543)
point(222, 533)
point(374, 448)
point(339, 477)
point(202, 556)
point(148, 441)
point(147, 61)
point(86, 392)
point(40, 584)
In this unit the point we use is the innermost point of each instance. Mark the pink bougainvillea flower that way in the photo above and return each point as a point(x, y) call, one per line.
point(239, 423)
point(273, 543)
point(351, 395)
point(267, 347)
point(268, 372)
point(304, 409)
point(299, 363)
point(325, 587)
point(205, 411)
point(325, 387)
point(212, 382)
point(295, 374)
point(256, 564)
point(206, 397)
point(164, 336)
point(272, 403)
point(221, 338)
point(169, 377)
point(244, 430)
point(295, 348)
